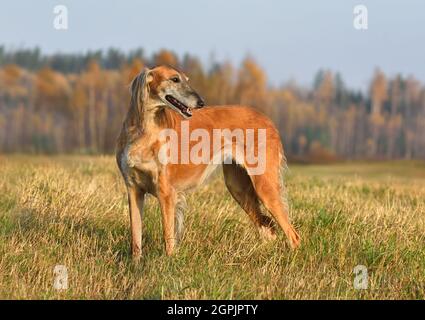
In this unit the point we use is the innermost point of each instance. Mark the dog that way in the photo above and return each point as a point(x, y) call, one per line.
point(162, 99)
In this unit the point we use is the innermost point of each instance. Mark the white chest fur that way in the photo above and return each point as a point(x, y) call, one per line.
point(138, 167)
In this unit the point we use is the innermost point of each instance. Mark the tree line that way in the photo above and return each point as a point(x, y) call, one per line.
point(75, 103)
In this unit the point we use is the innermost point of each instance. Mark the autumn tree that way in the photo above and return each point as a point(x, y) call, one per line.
point(412, 107)
point(251, 86)
point(394, 118)
point(166, 57)
point(378, 92)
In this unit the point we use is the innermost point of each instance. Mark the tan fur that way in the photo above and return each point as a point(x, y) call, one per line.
point(137, 157)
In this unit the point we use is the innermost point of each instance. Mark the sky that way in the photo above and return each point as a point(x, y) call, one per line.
point(291, 40)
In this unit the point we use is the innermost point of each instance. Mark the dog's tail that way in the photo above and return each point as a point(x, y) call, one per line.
point(179, 216)
point(283, 171)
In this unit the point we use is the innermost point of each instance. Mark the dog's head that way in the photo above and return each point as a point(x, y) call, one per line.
point(166, 86)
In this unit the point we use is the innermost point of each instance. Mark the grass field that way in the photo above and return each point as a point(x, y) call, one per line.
point(72, 211)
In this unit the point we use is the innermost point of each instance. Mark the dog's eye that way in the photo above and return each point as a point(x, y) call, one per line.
point(175, 79)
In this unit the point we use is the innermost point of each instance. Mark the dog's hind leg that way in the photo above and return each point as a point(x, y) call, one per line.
point(268, 188)
point(240, 187)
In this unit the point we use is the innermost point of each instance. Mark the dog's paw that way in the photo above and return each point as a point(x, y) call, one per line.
point(294, 238)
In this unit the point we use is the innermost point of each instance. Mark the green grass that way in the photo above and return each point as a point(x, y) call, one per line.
point(72, 211)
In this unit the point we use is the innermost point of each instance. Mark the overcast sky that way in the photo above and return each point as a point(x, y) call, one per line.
point(289, 39)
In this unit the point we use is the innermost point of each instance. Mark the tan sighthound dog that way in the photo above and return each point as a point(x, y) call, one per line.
point(161, 98)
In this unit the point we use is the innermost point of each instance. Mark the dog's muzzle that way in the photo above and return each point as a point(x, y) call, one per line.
point(184, 109)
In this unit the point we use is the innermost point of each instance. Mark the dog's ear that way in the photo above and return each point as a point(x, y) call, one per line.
point(139, 90)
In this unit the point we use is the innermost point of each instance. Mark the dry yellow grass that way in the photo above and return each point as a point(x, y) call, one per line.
point(72, 211)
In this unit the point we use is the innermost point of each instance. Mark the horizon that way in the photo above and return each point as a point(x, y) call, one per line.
point(207, 67)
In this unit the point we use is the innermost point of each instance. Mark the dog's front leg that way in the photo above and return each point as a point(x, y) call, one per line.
point(135, 201)
point(167, 199)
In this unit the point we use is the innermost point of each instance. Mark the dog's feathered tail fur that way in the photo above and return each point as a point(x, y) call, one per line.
point(179, 216)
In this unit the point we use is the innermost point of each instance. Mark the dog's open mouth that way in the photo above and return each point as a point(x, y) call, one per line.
point(185, 110)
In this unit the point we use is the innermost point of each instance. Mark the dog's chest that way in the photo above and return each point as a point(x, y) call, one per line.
point(140, 167)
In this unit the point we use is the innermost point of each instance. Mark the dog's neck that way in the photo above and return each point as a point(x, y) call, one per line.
point(154, 114)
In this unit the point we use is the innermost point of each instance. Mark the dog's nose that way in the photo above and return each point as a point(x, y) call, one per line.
point(200, 103)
